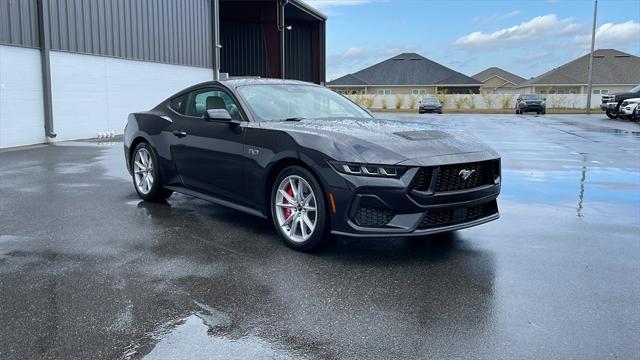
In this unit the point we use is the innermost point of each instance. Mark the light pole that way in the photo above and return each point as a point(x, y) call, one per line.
point(593, 43)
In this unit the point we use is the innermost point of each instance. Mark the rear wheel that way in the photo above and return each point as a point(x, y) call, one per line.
point(146, 174)
point(298, 209)
point(518, 112)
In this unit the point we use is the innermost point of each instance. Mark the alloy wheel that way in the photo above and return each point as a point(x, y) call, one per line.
point(296, 208)
point(143, 170)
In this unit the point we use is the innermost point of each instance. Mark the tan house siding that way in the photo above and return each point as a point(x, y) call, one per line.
point(497, 85)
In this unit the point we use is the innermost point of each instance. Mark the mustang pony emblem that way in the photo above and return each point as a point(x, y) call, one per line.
point(464, 174)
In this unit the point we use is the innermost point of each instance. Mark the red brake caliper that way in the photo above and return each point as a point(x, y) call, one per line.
point(287, 212)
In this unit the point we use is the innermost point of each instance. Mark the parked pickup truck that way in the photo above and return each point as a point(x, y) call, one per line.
point(611, 103)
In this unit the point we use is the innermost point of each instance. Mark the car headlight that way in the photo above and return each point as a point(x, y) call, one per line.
point(360, 169)
point(543, 103)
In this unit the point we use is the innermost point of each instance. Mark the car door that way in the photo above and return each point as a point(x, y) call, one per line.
point(209, 153)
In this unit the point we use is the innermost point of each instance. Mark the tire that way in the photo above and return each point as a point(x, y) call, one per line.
point(143, 156)
point(543, 112)
point(282, 209)
point(612, 116)
point(518, 112)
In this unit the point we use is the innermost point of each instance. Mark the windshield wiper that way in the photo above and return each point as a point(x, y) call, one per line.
point(294, 119)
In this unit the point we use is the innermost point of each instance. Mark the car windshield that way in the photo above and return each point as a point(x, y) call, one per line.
point(276, 102)
point(531, 97)
point(635, 89)
point(430, 100)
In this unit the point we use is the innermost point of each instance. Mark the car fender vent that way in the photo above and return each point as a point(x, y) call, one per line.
point(418, 135)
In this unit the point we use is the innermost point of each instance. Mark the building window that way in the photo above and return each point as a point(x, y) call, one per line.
point(604, 91)
point(560, 91)
point(543, 91)
point(384, 92)
point(572, 92)
point(418, 92)
point(552, 91)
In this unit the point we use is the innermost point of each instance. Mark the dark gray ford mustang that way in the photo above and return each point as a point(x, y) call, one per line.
point(311, 160)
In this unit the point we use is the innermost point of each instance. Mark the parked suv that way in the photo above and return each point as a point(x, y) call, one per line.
point(629, 109)
point(611, 103)
point(430, 104)
point(530, 103)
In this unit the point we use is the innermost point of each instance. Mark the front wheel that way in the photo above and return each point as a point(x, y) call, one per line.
point(146, 174)
point(611, 115)
point(298, 209)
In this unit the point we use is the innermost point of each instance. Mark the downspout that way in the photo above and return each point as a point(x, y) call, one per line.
point(282, 28)
point(215, 38)
point(45, 46)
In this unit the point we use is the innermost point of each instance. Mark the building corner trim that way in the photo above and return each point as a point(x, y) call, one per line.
point(45, 47)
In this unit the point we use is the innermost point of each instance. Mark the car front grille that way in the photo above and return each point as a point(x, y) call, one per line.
point(464, 176)
point(456, 177)
point(373, 217)
point(447, 217)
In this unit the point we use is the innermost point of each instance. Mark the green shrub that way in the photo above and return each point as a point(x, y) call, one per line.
point(369, 101)
point(443, 97)
point(413, 100)
point(507, 99)
point(399, 101)
point(460, 101)
point(488, 99)
point(384, 102)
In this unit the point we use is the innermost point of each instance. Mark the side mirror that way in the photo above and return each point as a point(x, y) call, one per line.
point(218, 114)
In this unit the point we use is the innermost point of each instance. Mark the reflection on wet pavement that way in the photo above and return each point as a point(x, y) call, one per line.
point(87, 270)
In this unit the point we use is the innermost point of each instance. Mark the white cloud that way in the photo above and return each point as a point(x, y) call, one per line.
point(612, 35)
point(535, 29)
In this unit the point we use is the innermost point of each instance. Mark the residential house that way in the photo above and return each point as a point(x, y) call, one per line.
point(613, 71)
point(406, 74)
point(498, 81)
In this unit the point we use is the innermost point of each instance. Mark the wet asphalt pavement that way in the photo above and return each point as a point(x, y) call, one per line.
point(88, 271)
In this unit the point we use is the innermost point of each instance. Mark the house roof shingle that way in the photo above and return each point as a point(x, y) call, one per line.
point(609, 67)
point(405, 69)
point(501, 73)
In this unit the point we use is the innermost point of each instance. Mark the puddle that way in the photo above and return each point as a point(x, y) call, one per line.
point(206, 334)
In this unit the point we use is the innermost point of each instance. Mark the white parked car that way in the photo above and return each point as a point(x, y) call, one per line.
point(629, 108)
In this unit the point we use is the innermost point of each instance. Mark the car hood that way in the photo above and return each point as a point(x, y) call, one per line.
point(379, 141)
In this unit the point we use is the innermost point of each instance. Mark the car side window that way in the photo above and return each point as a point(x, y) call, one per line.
point(177, 104)
point(206, 99)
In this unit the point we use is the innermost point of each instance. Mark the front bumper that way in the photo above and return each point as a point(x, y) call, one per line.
point(430, 109)
point(532, 108)
point(610, 106)
point(383, 207)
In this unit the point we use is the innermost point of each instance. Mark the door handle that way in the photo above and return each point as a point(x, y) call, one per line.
point(179, 133)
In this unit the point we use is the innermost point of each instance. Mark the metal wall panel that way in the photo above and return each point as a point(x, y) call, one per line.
point(299, 53)
point(166, 31)
point(243, 50)
point(19, 23)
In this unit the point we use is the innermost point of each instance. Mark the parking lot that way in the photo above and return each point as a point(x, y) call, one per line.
point(87, 270)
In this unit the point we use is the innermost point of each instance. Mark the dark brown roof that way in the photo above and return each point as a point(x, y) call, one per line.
point(406, 69)
point(610, 67)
